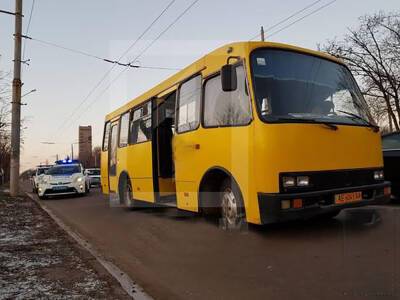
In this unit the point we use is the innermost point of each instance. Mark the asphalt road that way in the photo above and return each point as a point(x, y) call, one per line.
point(354, 256)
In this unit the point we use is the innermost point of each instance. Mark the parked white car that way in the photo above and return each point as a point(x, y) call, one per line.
point(64, 178)
point(94, 176)
point(40, 171)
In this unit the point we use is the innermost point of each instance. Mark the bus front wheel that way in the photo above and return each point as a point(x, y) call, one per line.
point(231, 203)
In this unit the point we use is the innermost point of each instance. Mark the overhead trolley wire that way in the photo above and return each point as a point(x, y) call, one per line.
point(302, 18)
point(292, 16)
point(26, 33)
point(113, 66)
point(138, 56)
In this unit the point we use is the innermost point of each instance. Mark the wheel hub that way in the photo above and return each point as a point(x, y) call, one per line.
point(229, 206)
point(128, 196)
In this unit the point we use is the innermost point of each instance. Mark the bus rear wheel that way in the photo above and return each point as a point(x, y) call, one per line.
point(231, 204)
point(126, 195)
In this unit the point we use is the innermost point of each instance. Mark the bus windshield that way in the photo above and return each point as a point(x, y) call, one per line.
point(295, 87)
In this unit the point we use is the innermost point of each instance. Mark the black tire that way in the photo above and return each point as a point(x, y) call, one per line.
point(233, 215)
point(42, 197)
point(87, 189)
point(126, 194)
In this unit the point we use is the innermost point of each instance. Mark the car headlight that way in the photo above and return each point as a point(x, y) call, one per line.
point(79, 179)
point(378, 175)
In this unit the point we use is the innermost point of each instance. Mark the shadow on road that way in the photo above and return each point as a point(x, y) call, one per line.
point(355, 220)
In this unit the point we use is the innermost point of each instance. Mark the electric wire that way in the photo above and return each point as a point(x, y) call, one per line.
point(27, 28)
point(94, 88)
point(137, 57)
point(292, 16)
point(84, 53)
point(302, 18)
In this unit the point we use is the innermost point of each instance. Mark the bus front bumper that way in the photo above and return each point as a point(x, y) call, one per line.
point(317, 202)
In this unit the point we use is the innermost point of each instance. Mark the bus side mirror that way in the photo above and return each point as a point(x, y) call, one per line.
point(228, 78)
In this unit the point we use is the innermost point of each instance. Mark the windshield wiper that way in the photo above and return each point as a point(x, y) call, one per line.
point(374, 127)
point(313, 121)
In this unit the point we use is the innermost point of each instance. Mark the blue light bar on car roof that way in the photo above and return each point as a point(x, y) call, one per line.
point(67, 161)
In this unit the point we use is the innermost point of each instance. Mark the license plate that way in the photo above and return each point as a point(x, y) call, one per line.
point(59, 188)
point(348, 197)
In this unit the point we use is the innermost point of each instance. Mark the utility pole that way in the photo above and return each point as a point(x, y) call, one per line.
point(72, 151)
point(16, 103)
point(262, 34)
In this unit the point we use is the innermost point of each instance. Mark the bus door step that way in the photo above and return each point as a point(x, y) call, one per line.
point(169, 201)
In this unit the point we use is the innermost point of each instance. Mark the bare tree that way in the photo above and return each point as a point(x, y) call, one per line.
point(372, 52)
point(5, 146)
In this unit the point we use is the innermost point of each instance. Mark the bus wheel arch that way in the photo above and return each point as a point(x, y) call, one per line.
point(210, 191)
point(125, 191)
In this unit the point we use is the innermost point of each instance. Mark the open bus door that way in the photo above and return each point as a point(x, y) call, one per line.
point(163, 165)
point(112, 158)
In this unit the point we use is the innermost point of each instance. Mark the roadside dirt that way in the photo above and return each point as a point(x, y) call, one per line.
point(38, 260)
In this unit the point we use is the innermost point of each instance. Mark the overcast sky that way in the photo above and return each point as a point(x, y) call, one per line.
point(107, 28)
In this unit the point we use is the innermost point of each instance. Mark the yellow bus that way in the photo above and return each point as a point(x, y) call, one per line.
point(254, 131)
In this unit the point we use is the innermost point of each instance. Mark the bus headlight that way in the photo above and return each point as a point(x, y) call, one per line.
point(303, 181)
point(288, 181)
point(293, 181)
point(378, 175)
point(79, 179)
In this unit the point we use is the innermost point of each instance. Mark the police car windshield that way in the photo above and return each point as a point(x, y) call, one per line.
point(42, 171)
point(64, 170)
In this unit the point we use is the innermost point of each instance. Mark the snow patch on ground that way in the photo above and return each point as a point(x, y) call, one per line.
point(37, 260)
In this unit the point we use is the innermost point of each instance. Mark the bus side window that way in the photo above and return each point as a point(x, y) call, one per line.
point(140, 128)
point(124, 130)
point(106, 136)
point(226, 108)
point(188, 113)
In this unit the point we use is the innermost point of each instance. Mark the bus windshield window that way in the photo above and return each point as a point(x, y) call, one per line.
point(294, 86)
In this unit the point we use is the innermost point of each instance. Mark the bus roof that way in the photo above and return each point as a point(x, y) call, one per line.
point(209, 64)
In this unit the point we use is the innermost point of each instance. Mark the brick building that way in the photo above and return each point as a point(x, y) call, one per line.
point(85, 145)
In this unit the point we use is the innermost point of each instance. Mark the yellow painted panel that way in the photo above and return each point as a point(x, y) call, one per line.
point(187, 196)
point(137, 162)
point(113, 183)
point(312, 147)
point(229, 148)
point(104, 172)
point(143, 189)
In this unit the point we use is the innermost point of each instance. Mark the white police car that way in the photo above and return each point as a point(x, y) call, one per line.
point(39, 172)
point(66, 177)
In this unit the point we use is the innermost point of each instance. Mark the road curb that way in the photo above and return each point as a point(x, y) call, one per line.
point(128, 285)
